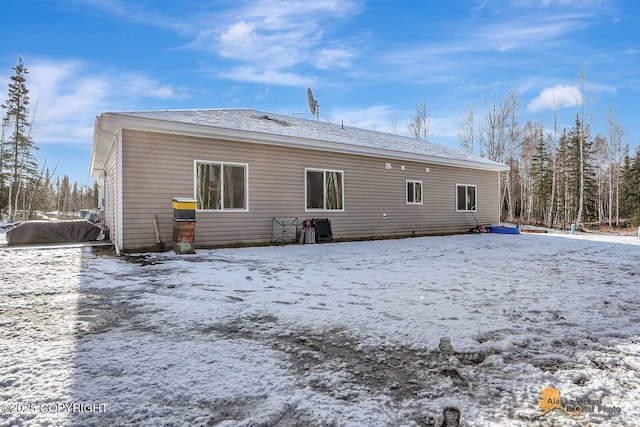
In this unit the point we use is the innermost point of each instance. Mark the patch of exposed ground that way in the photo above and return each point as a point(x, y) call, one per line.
point(336, 363)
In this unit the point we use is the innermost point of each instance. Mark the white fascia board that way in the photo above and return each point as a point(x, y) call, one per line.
point(205, 131)
point(104, 137)
point(97, 162)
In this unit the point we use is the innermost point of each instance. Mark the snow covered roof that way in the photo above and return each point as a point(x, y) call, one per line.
point(278, 129)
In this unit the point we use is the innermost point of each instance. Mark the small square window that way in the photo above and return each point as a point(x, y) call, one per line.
point(466, 198)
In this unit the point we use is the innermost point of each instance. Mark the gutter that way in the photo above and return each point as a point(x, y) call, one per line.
point(207, 131)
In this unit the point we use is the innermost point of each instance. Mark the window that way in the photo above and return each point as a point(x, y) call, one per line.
point(466, 198)
point(414, 192)
point(323, 190)
point(221, 186)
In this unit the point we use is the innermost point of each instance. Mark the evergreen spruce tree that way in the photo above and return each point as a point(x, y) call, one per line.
point(630, 188)
point(624, 173)
point(95, 197)
point(48, 195)
point(64, 196)
point(581, 173)
point(542, 176)
point(20, 161)
point(76, 196)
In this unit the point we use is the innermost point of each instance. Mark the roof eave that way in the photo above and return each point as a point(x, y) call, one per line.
point(103, 138)
point(208, 131)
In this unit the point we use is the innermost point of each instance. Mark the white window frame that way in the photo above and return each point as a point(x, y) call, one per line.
point(406, 186)
point(222, 165)
point(466, 194)
point(324, 190)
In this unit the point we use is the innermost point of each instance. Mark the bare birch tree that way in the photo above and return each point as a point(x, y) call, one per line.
point(419, 126)
point(467, 131)
point(617, 135)
point(500, 137)
point(601, 159)
point(553, 160)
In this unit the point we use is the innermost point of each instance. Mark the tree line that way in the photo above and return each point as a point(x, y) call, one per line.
point(558, 177)
point(28, 189)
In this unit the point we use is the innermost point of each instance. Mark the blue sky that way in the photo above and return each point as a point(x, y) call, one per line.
point(369, 63)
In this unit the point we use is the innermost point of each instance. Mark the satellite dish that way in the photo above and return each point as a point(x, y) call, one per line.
point(313, 104)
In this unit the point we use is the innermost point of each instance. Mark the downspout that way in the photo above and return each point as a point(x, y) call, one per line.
point(499, 197)
point(117, 137)
point(119, 214)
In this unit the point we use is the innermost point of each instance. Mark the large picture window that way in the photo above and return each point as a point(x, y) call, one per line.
point(324, 190)
point(414, 192)
point(221, 186)
point(466, 198)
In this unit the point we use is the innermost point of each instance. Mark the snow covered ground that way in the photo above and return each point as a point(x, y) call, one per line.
point(344, 334)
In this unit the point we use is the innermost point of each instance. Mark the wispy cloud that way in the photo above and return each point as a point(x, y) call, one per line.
point(383, 118)
point(336, 57)
point(502, 36)
point(532, 4)
point(63, 92)
point(528, 31)
point(276, 41)
point(519, 36)
point(133, 85)
point(134, 12)
point(289, 43)
point(258, 40)
point(378, 117)
point(254, 74)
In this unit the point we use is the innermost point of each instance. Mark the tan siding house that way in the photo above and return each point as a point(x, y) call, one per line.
point(246, 167)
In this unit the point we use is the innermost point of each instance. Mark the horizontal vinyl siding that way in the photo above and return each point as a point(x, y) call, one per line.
point(158, 167)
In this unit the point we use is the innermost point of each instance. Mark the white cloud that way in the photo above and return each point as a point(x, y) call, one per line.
point(332, 58)
point(378, 117)
point(66, 95)
point(383, 118)
point(498, 42)
point(258, 75)
point(238, 41)
point(142, 13)
point(530, 31)
point(139, 86)
point(275, 41)
point(560, 95)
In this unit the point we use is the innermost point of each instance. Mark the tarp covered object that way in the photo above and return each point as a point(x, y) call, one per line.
point(53, 232)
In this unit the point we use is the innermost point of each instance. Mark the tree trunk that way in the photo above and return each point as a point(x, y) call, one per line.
point(565, 217)
point(618, 201)
point(35, 193)
point(552, 202)
point(581, 192)
point(611, 196)
point(15, 201)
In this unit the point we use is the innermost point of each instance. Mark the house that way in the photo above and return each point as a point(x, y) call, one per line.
point(246, 167)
